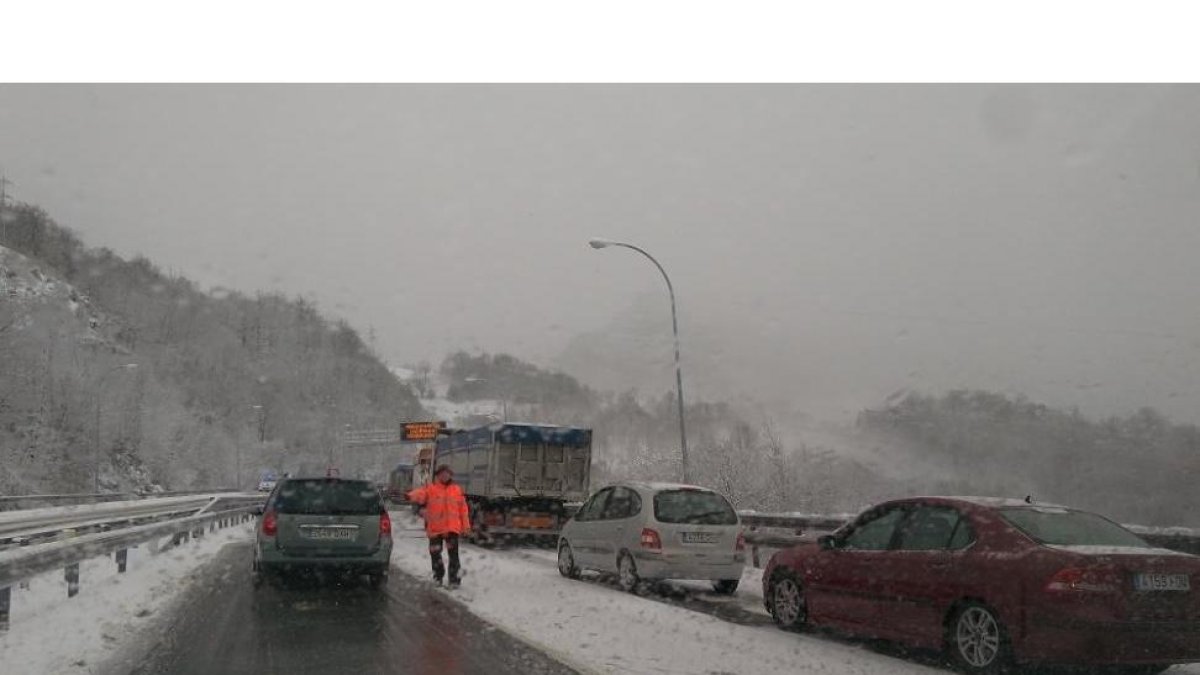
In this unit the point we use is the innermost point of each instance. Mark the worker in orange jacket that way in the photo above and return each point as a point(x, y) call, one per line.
point(446, 519)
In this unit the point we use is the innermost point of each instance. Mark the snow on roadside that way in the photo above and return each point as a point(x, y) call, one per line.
point(50, 633)
point(609, 631)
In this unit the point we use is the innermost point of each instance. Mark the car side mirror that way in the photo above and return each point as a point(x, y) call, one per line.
point(827, 542)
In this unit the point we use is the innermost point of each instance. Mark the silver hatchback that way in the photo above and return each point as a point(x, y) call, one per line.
point(653, 531)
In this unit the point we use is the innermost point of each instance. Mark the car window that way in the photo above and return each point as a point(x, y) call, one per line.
point(327, 497)
point(623, 503)
point(694, 507)
point(929, 528)
point(595, 506)
point(964, 535)
point(875, 533)
point(1065, 527)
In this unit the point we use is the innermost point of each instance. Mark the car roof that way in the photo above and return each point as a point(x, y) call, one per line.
point(654, 486)
point(327, 479)
point(985, 502)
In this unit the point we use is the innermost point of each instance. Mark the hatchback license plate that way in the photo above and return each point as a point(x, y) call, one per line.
point(332, 533)
point(1161, 582)
point(699, 538)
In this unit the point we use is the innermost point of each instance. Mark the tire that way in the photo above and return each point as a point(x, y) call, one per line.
point(726, 586)
point(785, 597)
point(976, 641)
point(627, 575)
point(566, 561)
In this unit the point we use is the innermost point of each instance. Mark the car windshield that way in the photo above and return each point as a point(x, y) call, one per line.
point(326, 497)
point(1066, 527)
point(693, 507)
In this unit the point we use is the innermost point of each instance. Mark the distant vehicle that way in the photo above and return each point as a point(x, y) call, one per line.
point(518, 477)
point(324, 524)
point(992, 581)
point(400, 483)
point(645, 531)
point(266, 484)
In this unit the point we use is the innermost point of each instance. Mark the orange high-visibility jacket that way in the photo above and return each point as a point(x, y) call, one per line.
point(445, 508)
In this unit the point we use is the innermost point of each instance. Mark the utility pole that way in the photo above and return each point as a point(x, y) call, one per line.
point(3, 205)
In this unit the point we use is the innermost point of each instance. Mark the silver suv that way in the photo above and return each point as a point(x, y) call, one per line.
point(651, 531)
point(324, 523)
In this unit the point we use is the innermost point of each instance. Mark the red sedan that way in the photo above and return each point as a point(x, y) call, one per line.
point(993, 581)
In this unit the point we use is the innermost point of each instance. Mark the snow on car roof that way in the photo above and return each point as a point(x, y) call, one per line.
point(994, 502)
point(659, 486)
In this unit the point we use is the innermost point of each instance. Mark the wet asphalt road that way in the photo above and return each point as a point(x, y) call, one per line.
point(327, 626)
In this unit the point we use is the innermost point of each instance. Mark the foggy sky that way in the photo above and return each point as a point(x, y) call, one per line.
point(829, 244)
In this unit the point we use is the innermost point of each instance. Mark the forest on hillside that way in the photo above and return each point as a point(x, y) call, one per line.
point(159, 383)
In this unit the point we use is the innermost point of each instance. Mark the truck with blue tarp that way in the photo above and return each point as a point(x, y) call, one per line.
point(518, 478)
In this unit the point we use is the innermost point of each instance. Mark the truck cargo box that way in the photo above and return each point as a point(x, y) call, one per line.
point(520, 461)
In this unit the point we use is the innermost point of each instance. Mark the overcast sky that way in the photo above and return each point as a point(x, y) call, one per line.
point(829, 244)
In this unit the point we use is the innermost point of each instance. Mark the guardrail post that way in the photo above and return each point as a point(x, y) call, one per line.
point(5, 603)
point(71, 574)
point(122, 559)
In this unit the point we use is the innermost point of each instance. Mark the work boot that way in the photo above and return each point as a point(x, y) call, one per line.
point(437, 580)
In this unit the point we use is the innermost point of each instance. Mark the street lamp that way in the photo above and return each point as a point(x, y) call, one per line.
point(96, 445)
point(683, 450)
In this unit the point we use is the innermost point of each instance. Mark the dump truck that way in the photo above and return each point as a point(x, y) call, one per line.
point(518, 478)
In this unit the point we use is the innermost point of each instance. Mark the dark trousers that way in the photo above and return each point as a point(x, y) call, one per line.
point(435, 554)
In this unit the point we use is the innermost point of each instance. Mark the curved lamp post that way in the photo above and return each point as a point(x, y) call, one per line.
point(96, 445)
point(683, 449)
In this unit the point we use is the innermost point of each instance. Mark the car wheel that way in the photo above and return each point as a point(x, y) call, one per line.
point(787, 602)
point(976, 639)
point(256, 574)
point(566, 561)
point(726, 586)
point(627, 575)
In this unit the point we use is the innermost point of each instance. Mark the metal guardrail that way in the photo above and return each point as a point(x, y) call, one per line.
point(19, 502)
point(31, 525)
point(22, 563)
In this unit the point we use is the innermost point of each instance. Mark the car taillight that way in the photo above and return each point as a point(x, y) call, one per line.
point(740, 546)
point(1084, 580)
point(385, 524)
point(650, 539)
point(269, 525)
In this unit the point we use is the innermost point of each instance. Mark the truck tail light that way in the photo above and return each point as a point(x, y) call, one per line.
point(385, 525)
point(740, 546)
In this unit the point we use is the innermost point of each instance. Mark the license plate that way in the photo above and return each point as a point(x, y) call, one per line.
point(699, 538)
point(331, 533)
point(535, 522)
point(1161, 582)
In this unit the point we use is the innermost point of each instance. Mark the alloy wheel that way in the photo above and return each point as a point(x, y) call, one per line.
point(977, 637)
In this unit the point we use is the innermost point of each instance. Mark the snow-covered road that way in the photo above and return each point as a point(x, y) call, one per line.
point(596, 627)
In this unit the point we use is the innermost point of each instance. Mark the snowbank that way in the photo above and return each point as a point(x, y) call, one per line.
point(608, 631)
point(53, 634)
